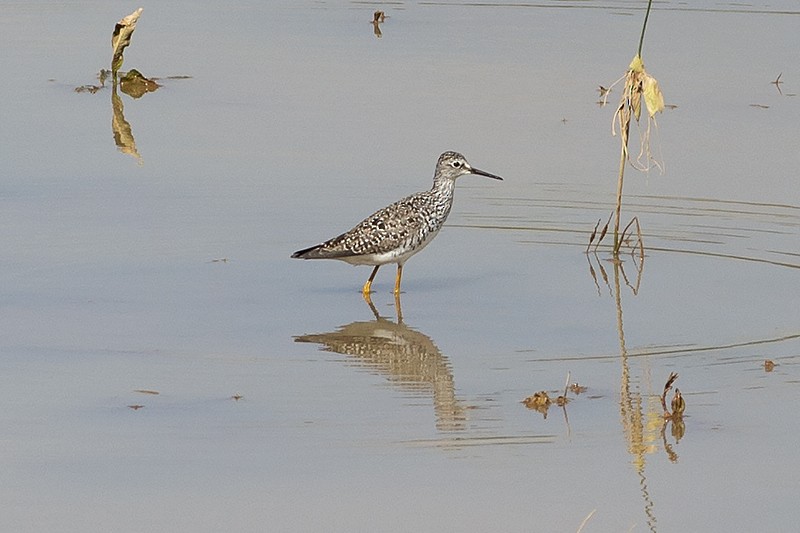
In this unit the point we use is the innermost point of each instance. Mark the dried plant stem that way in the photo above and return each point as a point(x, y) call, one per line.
point(640, 242)
point(644, 26)
point(580, 528)
point(625, 123)
point(623, 156)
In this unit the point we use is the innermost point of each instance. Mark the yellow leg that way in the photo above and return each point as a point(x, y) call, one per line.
point(397, 308)
point(368, 285)
point(397, 279)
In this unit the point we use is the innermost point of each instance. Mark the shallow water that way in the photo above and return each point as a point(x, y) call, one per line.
point(284, 401)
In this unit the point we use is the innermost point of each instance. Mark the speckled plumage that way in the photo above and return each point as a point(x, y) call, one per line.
point(398, 231)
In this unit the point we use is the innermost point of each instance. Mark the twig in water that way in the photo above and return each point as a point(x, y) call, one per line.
point(777, 83)
point(593, 235)
point(588, 516)
point(667, 386)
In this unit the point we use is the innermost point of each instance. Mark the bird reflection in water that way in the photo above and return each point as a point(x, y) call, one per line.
point(409, 359)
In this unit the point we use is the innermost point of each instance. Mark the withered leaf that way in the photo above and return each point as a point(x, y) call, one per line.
point(121, 38)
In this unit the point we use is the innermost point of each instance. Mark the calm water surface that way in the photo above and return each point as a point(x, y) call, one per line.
point(284, 402)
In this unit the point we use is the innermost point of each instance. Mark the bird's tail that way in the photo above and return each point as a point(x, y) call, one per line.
point(309, 253)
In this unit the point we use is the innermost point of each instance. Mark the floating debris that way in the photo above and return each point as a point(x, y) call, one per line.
point(135, 85)
point(146, 391)
point(538, 399)
point(136, 407)
point(678, 404)
point(577, 389)
point(769, 365)
point(539, 402)
point(377, 18)
point(88, 89)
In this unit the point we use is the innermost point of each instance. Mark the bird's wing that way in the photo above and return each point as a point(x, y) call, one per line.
point(383, 231)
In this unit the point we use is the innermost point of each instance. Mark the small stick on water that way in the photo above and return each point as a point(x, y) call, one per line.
point(593, 235)
point(588, 516)
point(604, 231)
point(634, 222)
point(667, 386)
point(777, 83)
point(566, 385)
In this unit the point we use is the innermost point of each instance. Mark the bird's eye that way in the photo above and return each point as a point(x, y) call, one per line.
point(456, 164)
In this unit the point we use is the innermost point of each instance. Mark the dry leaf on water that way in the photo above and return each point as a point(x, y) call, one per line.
point(121, 38)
